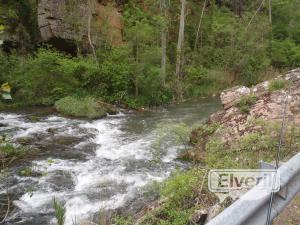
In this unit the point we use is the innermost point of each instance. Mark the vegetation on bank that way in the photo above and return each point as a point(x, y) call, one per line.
point(222, 46)
point(186, 192)
point(277, 84)
point(245, 103)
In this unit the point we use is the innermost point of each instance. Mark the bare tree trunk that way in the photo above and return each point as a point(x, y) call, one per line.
point(136, 82)
point(270, 11)
point(89, 32)
point(180, 40)
point(163, 44)
point(199, 26)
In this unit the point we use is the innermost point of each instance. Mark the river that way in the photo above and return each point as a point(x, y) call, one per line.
point(109, 163)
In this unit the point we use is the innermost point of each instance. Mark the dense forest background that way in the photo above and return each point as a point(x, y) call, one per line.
point(171, 50)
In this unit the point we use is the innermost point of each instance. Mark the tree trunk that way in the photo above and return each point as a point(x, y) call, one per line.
point(199, 26)
point(180, 40)
point(270, 12)
point(136, 79)
point(89, 31)
point(163, 44)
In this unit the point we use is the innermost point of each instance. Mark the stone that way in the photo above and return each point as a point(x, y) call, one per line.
point(86, 222)
point(268, 106)
point(214, 211)
point(198, 217)
point(230, 96)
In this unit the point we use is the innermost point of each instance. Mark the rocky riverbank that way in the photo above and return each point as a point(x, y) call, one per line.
point(253, 111)
point(244, 132)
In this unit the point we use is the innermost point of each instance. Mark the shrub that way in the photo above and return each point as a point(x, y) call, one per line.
point(80, 107)
point(245, 103)
point(277, 84)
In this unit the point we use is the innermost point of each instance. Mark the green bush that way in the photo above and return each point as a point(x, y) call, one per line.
point(285, 54)
point(277, 84)
point(245, 103)
point(80, 107)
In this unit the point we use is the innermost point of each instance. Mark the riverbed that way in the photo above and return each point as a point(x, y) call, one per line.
point(90, 165)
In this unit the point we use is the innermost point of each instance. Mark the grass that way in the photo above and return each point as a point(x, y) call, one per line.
point(60, 212)
point(180, 193)
point(245, 103)
point(277, 84)
point(26, 172)
point(82, 107)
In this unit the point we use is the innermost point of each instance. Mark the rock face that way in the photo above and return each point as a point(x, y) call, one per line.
point(269, 105)
point(230, 96)
point(64, 23)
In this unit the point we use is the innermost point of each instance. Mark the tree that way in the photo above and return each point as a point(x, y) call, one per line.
point(180, 44)
point(90, 5)
point(199, 25)
point(163, 7)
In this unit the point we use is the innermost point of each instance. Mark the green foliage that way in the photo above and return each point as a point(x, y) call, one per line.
point(8, 149)
point(39, 80)
point(80, 107)
point(123, 221)
point(179, 193)
point(285, 54)
point(277, 84)
point(248, 150)
point(244, 153)
point(10, 152)
point(60, 212)
point(245, 103)
point(230, 50)
point(27, 172)
point(20, 21)
point(203, 132)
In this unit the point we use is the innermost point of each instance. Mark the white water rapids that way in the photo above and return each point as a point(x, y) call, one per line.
point(92, 165)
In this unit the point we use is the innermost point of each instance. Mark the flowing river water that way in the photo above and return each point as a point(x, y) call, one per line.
point(109, 163)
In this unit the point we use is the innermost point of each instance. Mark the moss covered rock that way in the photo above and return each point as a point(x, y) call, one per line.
point(86, 107)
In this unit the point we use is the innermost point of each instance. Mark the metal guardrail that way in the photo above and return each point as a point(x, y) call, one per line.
point(254, 212)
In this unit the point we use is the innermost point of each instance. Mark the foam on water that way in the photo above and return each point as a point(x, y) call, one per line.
point(102, 180)
point(120, 164)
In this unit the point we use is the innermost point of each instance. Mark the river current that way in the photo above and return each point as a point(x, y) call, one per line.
point(110, 164)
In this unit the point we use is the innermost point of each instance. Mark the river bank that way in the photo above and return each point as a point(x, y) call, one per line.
point(244, 132)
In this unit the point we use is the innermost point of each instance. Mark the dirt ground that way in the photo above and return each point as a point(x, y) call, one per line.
point(291, 214)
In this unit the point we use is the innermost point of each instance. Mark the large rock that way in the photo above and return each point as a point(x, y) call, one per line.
point(268, 106)
point(64, 23)
point(230, 96)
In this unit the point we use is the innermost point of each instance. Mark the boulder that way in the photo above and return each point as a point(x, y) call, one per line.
point(230, 96)
point(64, 23)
